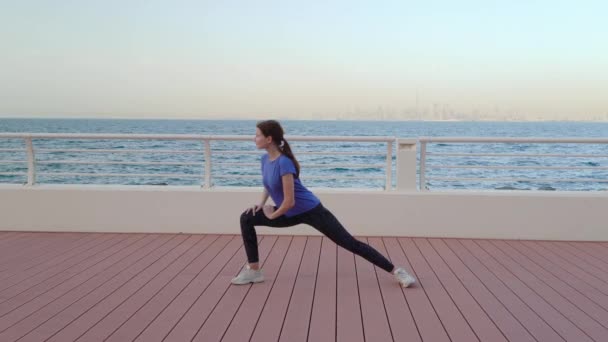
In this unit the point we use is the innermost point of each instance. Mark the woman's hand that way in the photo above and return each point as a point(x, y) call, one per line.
point(254, 209)
point(268, 210)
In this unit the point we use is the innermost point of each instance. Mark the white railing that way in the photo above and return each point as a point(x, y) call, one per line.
point(206, 151)
point(404, 178)
point(425, 154)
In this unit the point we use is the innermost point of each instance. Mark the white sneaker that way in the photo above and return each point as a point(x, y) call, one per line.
point(247, 276)
point(404, 278)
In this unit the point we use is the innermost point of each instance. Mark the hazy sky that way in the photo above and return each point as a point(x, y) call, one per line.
point(288, 59)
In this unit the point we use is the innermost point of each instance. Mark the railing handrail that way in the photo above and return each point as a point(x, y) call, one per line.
point(514, 140)
point(127, 136)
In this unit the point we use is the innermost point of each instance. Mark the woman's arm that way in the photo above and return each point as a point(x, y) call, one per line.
point(288, 196)
point(264, 198)
point(257, 207)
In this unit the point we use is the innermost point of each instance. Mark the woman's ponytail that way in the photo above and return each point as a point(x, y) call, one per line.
point(286, 150)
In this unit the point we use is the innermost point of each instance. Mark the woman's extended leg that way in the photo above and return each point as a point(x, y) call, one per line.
point(325, 222)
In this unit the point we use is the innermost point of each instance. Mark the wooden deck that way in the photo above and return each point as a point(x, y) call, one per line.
point(160, 287)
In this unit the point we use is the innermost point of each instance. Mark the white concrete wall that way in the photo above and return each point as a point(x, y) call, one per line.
point(498, 214)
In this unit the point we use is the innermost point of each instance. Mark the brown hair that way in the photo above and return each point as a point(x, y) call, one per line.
point(272, 128)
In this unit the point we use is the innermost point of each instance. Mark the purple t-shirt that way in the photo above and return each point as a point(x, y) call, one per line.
point(272, 171)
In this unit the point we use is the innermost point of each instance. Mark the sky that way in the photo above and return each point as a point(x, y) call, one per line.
point(304, 59)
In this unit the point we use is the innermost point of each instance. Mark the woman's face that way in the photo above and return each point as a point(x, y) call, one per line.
point(261, 141)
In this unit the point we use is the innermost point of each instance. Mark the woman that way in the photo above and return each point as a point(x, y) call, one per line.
point(295, 205)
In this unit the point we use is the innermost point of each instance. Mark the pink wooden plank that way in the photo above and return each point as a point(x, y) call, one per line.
point(29, 242)
point(577, 316)
point(242, 302)
point(32, 241)
point(594, 249)
point(18, 238)
point(506, 322)
point(183, 318)
point(596, 258)
point(193, 265)
point(24, 281)
point(349, 327)
point(24, 254)
point(47, 291)
point(16, 242)
point(272, 315)
point(90, 242)
point(7, 234)
point(482, 325)
point(162, 273)
point(373, 313)
point(33, 246)
point(453, 321)
point(583, 260)
point(323, 318)
point(603, 244)
point(37, 285)
point(180, 286)
point(74, 294)
point(400, 319)
point(297, 318)
point(429, 326)
point(26, 239)
point(549, 314)
point(563, 282)
point(159, 258)
point(26, 259)
point(576, 275)
point(517, 307)
point(579, 293)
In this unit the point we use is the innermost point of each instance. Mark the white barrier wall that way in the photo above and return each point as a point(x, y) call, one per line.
point(501, 215)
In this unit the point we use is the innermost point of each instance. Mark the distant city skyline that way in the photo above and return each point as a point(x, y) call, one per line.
point(390, 60)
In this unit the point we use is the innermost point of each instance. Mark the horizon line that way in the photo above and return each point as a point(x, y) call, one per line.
point(291, 119)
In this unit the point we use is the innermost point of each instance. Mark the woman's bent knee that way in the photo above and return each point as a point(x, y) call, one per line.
point(245, 218)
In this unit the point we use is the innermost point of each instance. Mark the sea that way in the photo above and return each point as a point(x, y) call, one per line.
point(592, 174)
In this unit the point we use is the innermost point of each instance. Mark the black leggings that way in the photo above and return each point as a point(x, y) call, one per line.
point(319, 218)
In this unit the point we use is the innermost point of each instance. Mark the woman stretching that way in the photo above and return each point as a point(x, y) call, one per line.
point(295, 205)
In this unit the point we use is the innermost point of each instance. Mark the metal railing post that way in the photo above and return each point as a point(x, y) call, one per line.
point(389, 166)
point(31, 162)
point(423, 166)
point(207, 184)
